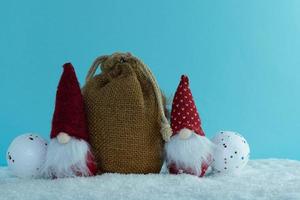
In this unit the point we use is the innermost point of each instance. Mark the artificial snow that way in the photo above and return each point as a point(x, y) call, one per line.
point(260, 179)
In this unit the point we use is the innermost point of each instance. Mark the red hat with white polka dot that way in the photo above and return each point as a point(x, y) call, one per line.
point(184, 112)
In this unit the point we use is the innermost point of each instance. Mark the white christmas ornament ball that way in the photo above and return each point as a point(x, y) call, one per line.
point(231, 153)
point(26, 154)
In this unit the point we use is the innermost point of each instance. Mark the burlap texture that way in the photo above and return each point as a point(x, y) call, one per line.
point(123, 118)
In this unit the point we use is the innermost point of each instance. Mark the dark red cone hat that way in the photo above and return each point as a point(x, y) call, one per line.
point(184, 112)
point(69, 114)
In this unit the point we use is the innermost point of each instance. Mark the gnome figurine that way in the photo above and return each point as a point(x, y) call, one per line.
point(68, 153)
point(188, 150)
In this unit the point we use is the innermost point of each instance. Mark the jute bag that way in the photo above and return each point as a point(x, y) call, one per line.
point(125, 114)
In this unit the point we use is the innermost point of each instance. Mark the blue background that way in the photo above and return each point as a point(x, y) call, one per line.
point(242, 58)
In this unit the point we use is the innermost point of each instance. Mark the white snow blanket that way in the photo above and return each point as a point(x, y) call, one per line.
point(261, 179)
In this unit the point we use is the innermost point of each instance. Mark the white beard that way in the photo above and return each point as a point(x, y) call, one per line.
point(66, 160)
point(189, 153)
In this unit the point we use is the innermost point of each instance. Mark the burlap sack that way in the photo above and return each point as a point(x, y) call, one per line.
point(125, 115)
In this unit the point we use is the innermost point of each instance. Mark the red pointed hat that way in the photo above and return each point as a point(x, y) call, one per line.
point(184, 112)
point(69, 115)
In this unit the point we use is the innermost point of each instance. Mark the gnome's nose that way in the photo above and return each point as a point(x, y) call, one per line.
point(63, 138)
point(185, 133)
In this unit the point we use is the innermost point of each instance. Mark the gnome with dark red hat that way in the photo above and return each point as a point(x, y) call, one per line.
point(68, 153)
point(188, 150)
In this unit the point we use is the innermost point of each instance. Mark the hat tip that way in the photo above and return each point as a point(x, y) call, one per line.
point(184, 78)
point(67, 65)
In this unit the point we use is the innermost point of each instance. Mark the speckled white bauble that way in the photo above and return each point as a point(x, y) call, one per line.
point(26, 154)
point(231, 154)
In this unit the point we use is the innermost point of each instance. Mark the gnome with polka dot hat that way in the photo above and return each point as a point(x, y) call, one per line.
point(68, 153)
point(188, 150)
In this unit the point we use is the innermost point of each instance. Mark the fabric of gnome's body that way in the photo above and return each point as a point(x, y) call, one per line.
point(188, 151)
point(125, 109)
point(68, 153)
